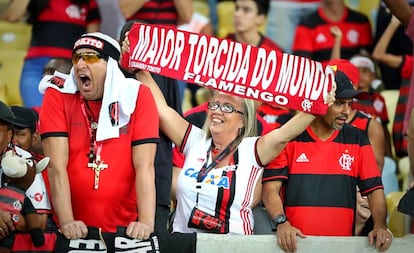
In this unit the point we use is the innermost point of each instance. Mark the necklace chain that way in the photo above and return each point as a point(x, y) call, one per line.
point(93, 127)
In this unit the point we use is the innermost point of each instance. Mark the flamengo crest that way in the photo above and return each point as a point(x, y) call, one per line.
point(345, 161)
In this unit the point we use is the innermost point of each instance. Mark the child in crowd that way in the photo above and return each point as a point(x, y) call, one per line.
point(371, 102)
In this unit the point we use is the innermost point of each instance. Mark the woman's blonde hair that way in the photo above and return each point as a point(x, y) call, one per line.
point(249, 120)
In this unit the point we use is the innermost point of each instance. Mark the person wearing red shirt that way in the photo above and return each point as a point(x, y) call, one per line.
point(319, 171)
point(371, 102)
point(314, 38)
point(100, 131)
point(56, 24)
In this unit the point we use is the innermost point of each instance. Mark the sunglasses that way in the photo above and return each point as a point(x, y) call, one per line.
point(88, 57)
point(226, 107)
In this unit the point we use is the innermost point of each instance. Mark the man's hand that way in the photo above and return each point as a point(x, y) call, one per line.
point(382, 238)
point(74, 230)
point(336, 32)
point(6, 224)
point(140, 230)
point(286, 236)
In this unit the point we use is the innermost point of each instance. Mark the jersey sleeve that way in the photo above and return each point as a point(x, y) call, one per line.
point(407, 67)
point(277, 169)
point(384, 112)
point(369, 174)
point(177, 157)
point(146, 119)
point(52, 114)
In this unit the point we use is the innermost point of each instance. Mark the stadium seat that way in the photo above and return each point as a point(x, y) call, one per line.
point(396, 220)
point(369, 8)
point(3, 92)
point(201, 7)
point(404, 172)
point(14, 36)
point(225, 11)
point(391, 100)
point(11, 63)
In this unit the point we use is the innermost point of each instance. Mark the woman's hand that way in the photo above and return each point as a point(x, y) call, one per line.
point(330, 97)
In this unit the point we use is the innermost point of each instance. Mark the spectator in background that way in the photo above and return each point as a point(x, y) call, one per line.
point(112, 18)
point(288, 13)
point(363, 218)
point(25, 137)
point(169, 12)
point(25, 132)
point(400, 44)
point(56, 26)
point(404, 13)
point(8, 122)
point(249, 16)
point(314, 38)
point(163, 156)
point(371, 102)
point(57, 64)
point(404, 66)
point(172, 13)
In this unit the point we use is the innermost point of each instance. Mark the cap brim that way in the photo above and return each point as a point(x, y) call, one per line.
point(8, 120)
point(348, 94)
point(19, 122)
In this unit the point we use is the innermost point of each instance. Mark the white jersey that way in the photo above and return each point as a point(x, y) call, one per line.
point(229, 196)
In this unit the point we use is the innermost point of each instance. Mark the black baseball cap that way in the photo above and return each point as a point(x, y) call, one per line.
point(344, 86)
point(25, 117)
point(6, 114)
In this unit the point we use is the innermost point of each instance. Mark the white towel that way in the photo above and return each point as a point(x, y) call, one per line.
point(62, 82)
point(117, 89)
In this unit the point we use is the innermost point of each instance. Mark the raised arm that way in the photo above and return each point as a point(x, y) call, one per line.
point(401, 9)
point(380, 51)
point(15, 10)
point(184, 9)
point(171, 123)
point(336, 49)
point(271, 144)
